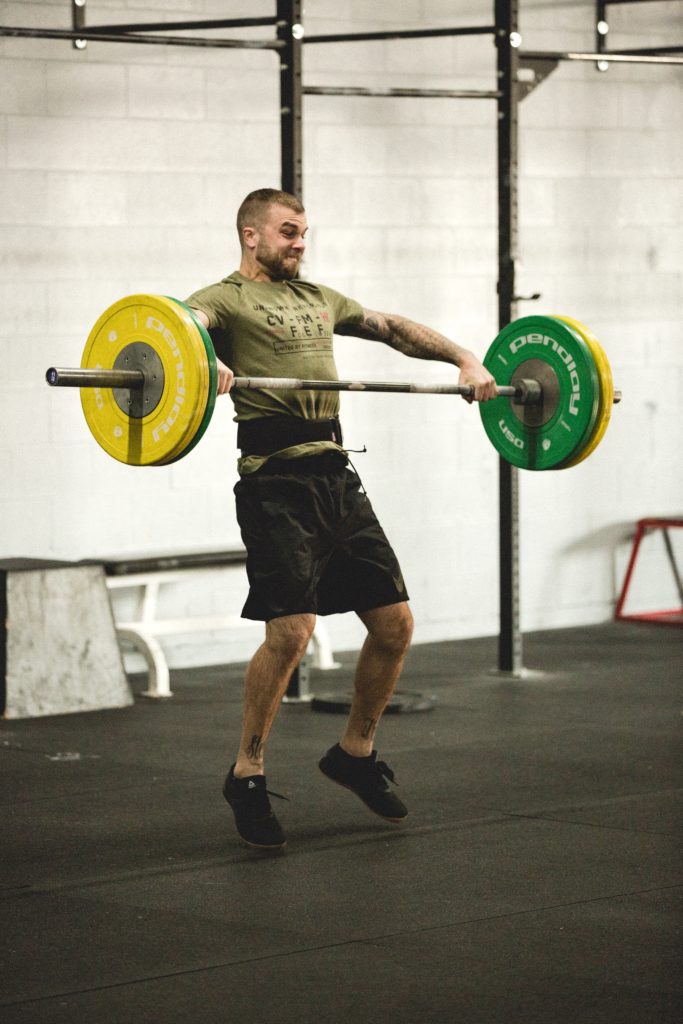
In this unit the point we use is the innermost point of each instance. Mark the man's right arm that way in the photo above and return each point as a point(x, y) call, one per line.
point(225, 374)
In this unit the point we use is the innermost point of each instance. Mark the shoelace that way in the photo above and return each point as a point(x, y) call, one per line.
point(261, 804)
point(383, 769)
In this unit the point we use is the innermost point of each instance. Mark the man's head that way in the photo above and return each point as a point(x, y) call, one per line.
point(271, 226)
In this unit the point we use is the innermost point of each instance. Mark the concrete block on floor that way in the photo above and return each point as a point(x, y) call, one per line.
point(59, 641)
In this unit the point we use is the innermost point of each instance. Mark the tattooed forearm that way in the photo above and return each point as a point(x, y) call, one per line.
point(408, 337)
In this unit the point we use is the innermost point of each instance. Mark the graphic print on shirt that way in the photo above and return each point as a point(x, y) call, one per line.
point(302, 328)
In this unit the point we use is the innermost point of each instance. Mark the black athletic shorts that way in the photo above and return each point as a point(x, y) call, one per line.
point(313, 541)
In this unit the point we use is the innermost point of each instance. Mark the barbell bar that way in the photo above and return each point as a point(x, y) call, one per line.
point(148, 384)
point(524, 392)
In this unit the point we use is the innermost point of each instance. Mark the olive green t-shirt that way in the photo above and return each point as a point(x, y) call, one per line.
point(277, 329)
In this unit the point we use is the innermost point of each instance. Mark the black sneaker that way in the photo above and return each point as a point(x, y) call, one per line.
point(366, 777)
point(256, 823)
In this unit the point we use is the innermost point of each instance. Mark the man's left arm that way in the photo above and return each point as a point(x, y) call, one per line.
point(421, 342)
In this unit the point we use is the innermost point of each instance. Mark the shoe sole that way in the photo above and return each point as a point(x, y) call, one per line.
point(262, 846)
point(394, 821)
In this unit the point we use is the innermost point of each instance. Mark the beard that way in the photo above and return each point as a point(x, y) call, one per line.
point(280, 267)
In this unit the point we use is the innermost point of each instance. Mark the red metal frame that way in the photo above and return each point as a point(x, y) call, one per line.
point(668, 617)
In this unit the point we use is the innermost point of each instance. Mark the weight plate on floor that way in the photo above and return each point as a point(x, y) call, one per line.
point(548, 435)
point(170, 428)
point(213, 381)
point(606, 382)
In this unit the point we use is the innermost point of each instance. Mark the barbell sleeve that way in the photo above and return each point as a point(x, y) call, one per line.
point(78, 377)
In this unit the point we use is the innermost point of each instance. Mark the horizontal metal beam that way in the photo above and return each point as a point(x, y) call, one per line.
point(344, 90)
point(130, 37)
point(184, 26)
point(617, 3)
point(615, 58)
point(409, 33)
point(654, 50)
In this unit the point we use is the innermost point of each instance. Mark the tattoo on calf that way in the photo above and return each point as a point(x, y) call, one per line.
point(368, 729)
point(255, 747)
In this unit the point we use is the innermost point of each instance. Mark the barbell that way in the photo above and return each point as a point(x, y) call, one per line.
point(148, 382)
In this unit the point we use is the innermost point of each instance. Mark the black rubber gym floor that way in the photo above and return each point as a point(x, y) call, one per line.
point(538, 878)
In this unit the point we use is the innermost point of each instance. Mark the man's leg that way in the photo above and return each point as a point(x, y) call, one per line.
point(266, 681)
point(353, 763)
point(390, 630)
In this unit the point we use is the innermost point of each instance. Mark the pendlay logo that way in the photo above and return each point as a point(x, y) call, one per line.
point(566, 358)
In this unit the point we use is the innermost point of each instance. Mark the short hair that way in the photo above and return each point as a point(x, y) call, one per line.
point(255, 207)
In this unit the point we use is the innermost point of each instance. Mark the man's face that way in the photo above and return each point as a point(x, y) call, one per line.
point(279, 242)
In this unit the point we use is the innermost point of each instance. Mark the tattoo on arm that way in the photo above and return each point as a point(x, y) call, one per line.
point(406, 336)
point(255, 747)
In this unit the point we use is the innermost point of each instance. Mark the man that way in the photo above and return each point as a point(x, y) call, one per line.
point(313, 543)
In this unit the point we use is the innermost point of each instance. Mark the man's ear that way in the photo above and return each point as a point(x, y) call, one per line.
point(249, 237)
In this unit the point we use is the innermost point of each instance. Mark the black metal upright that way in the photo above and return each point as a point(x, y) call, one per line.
point(290, 32)
point(507, 47)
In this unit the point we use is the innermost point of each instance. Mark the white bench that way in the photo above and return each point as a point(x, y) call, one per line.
point(148, 575)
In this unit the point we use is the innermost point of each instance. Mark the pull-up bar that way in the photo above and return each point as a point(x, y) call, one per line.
point(616, 58)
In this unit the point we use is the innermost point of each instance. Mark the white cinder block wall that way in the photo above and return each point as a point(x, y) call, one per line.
point(122, 167)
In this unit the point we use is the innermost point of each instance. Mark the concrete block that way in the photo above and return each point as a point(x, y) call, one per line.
point(86, 199)
point(70, 253)
point(572, 105)
point(430, 150)
point(28, 415)
point(198, 253)
point(661, 202)
point(435, 55)
point(591, 201)
point(380, 200)
point(646, 105)
point(164, 199)
point(628, 249)
point(23, 197)
point(466, 202)
point(473, 153)
point(24, 307)
point(132, 145)
point(553, 153)
point(24, 90)
point(48, 143)
point(60, 643)
point(353, 149)
point(73, 308)
point(173, 93)
point(666, 248)
point(86, 90)
point(225, 92)
point(537, 202)
point(641, 154)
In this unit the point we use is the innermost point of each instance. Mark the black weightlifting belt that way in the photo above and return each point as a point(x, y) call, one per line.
point(270, 434)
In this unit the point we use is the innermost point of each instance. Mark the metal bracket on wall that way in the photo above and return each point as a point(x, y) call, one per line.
point(531, 73)
point(78, 21)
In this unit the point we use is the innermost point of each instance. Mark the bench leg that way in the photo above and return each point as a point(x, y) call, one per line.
point(159, 684)
point(323, 656)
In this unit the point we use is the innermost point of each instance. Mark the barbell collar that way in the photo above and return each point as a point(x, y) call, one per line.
point(78, 377)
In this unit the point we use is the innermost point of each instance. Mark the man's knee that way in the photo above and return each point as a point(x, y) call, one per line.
point(289, 635)
point(391, 627)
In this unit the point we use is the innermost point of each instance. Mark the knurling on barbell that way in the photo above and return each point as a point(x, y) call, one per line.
point(149, 380)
